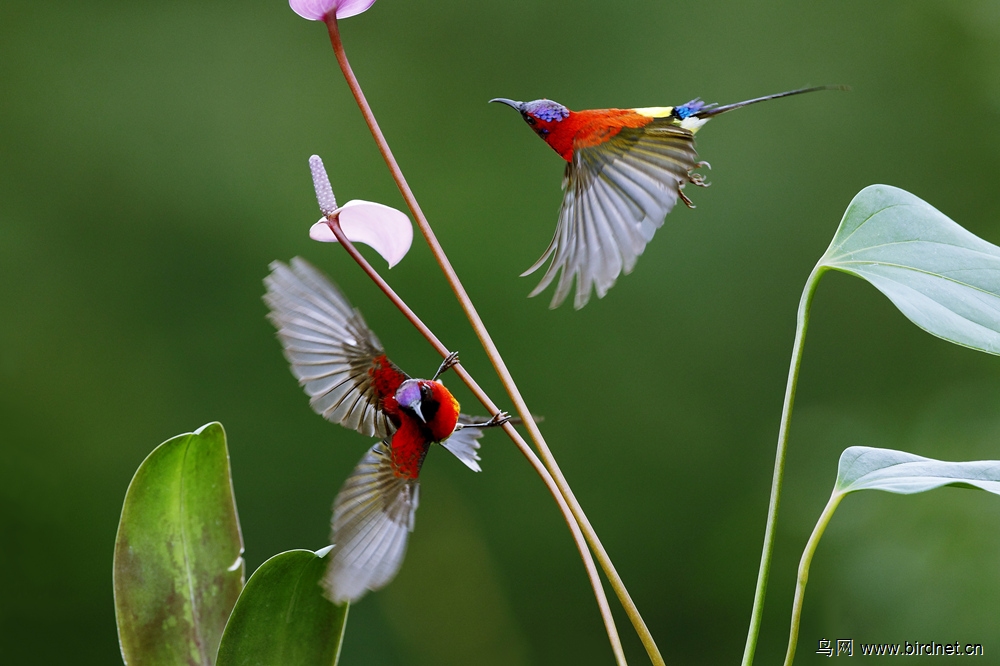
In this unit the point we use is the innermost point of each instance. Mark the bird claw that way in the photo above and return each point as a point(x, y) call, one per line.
point(697, 178)
point(498, 419)
point(450, 361)
point(684, 198)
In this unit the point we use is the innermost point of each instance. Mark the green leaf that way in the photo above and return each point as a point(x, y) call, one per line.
point(178, 566)
point(865, 468)
point(283, 618)
point(943, 278)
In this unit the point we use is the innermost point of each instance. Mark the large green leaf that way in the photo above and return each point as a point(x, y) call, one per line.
point(943, 278)
point(283, 618)
point(178, 566)
point(865, 468)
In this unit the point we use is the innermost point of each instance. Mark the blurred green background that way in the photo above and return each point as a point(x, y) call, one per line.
point(153, 161)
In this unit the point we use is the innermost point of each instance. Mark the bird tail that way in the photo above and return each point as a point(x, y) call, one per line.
point(716, 110)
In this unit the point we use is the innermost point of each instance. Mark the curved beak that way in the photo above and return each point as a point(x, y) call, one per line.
point(517, 106)
point(415, 406)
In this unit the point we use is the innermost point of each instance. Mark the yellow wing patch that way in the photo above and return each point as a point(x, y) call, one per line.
point(692, 124)
point(655, 111)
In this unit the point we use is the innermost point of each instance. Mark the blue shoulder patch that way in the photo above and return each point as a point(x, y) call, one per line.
point(547, 110)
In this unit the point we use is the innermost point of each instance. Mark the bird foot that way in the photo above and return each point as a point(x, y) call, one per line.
point(697, 178)
point(498, 419)
point(684, 198)
point(450, 361)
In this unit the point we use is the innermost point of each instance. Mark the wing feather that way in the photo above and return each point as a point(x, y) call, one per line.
point(373, 516)
point(617, 195)
point(331, 350)
point(628, 241)
point(609, 262)
point(464, 442)
point(593, 238)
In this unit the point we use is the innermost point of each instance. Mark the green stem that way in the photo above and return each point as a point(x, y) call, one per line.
point(802, 323)
point(800, 584)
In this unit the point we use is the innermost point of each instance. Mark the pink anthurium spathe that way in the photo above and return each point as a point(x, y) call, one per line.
point(318, 10)
point(385, 229)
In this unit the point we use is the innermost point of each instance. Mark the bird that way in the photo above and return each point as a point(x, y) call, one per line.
point(625, 170)
point(345, 371)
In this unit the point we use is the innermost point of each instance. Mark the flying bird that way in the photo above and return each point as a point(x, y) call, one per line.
point(625, 170)
point(351, 381)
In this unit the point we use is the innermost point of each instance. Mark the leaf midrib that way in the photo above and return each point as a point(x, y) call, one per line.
point(196, 620)
point(863, 223)
point(916, 270)
point(919, 240)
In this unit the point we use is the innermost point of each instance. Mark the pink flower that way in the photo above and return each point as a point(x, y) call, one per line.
point(382, 228)
point(317, 10)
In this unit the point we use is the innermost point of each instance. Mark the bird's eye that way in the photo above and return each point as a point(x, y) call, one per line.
point(531, 121)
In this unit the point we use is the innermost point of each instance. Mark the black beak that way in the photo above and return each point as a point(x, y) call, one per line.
point(517, 106)
point(416, 408)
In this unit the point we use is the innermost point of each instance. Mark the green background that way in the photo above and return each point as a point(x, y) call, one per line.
point(153, 161)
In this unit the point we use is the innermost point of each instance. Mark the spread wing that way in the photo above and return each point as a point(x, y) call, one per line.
point(616, 196)
point(373, 516)
point(332, 352)
point(464, 442)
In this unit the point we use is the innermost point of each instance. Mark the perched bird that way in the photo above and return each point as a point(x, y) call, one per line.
point(625, 170)
point(345, 372)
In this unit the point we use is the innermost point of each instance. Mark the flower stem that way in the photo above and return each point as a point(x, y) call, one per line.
point(491, 407)
point(800, 583)
point(487, 342)
point(802, 323)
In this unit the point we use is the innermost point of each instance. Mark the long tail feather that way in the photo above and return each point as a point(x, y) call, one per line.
point(714, 111)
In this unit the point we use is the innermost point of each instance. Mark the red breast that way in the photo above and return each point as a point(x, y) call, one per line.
point(409, 448)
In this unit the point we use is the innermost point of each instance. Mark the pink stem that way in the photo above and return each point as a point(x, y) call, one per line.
point(492, 408)
point(495, 358)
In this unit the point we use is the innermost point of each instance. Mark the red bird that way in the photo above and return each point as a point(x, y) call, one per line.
point(350, 381)
point(625, 170)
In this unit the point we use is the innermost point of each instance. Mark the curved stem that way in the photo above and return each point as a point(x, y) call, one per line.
point(802, 323)
point(491, 407)
point(800, 583)
point(491, 350)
